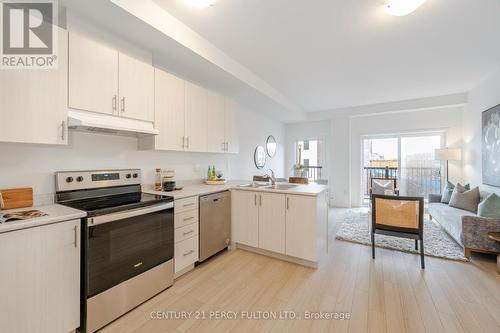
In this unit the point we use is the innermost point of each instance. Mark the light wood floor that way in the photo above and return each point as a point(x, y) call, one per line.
point(390, 294)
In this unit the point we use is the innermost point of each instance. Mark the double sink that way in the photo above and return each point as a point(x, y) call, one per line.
point(282, 187)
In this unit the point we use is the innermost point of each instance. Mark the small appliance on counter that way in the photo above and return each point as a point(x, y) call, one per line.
point(165, 180)
point(127, 241)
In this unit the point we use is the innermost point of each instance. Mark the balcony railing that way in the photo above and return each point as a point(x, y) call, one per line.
point(313, 172)
point(415, 181)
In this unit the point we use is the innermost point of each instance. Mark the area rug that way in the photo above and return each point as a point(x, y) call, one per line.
point(437, 243)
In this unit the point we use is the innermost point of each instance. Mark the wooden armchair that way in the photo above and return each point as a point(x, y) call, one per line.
point(400, 217)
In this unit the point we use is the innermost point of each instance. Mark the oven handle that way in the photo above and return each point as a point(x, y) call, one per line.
point(92, 221)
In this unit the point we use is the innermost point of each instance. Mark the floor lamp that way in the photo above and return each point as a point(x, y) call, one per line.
point(447, 154)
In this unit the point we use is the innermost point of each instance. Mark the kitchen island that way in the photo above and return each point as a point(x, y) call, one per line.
point(285, 221)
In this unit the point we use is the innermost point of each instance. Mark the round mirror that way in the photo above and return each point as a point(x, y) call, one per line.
point(271, 146)
point(259, 157)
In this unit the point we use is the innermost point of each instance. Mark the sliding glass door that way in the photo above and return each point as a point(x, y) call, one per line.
point(405, 159)
point(420, 174)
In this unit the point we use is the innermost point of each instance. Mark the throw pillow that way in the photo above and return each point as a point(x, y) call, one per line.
point(467, 200)
point(448, 190)
point(490, 207)
point(381, 186)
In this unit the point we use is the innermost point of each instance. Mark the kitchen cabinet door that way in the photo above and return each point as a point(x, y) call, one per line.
point(136, 88)
point(196, 118)
point(41, 279)
point(33, 102)
point(169, 111)
point(301, 227)
point(231, 119)
point(245, 218)
point(272, 222)
point(93, 76)
point(216, 123)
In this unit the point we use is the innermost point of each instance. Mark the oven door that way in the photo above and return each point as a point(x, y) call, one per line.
point(125, 244)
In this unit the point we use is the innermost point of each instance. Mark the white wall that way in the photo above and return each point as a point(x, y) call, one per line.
point(25, 165)
point(481, 98)
point(347, 133)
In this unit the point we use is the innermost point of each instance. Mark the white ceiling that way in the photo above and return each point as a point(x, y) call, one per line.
point(331, 54)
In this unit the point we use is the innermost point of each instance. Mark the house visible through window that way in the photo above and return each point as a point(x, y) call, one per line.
point(309, 159)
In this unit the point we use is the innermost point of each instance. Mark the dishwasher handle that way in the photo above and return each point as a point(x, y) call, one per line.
point(216, 197)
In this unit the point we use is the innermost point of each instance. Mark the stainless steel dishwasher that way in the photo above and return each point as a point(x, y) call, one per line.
point(215, 223)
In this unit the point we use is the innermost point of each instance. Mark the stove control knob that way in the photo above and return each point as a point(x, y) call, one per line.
point(135, 175)
point(69, 179)
point(128, 176)
point(79, 179)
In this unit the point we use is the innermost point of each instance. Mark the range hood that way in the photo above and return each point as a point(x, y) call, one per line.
point(108, 124)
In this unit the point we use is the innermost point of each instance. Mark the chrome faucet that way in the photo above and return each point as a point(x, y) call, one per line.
point(272, 177)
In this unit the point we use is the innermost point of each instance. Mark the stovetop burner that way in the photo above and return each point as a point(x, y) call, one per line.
point(104, 192)
point(115, 203)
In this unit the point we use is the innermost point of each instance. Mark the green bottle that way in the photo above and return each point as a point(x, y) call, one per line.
point(209, 173)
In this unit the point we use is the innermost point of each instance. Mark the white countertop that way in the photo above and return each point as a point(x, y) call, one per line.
point(203, 189)
point(56, 213)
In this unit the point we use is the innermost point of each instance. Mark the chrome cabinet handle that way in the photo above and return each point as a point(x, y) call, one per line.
point(188, 232)
point(187, 142)
point(255, 199)
point(227, 146)
point(183, 142)
point(75, 230)
point(260, 200)
point(123, 105)
point(223, 146)
point(63, 130)
point(113, 103)
point(189, 204)
point(188, 218)
point(287, 203)
point(188, 253)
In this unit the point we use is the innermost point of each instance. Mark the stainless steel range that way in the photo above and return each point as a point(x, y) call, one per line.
point(127, 238)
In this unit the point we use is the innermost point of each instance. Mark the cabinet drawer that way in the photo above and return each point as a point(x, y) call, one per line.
point(186, 253)
point(185, 204)
point(186, 232)
point(185, 218)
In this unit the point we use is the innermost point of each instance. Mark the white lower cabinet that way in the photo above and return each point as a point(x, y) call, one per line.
point(301, 227)
point(272, 222)
point(186, 251)
point(40, 279)
point(292, 225)
point(245, 218)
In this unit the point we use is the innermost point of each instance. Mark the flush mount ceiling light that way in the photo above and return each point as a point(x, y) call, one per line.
point(402, 7)
point(200, 3)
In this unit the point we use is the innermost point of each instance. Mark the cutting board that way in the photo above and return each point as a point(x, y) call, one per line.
point(16, 198)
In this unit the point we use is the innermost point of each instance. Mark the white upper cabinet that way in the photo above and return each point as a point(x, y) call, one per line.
point(169, 111)
point(105, 81)
point(196, 118)
point(136, 88)
point(33, 102)
point(93, 76)
point(216, 123)
point(231, 128)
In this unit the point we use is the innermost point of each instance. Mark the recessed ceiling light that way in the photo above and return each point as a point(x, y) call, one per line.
point(402, 7)
point(200, 3)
